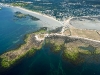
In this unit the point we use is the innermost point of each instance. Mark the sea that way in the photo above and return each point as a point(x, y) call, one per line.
point(12, 31)
point(44, 61)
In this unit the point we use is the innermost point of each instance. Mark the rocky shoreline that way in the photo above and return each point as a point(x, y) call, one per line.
point(31, 45)
point(74, 48)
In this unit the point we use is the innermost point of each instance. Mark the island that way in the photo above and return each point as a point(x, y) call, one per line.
point(20, 15)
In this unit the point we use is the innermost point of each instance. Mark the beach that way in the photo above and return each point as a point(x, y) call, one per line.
point(84, 22)
point(45, 21)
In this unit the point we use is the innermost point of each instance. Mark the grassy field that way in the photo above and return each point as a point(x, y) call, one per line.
point(91, 34)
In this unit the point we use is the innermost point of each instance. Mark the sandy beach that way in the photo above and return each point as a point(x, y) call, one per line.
point(83, 22)
point(37, 13)
point(45, 21)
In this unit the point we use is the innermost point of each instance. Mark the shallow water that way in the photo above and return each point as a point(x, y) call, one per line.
point(45, 62)
point(12, 31)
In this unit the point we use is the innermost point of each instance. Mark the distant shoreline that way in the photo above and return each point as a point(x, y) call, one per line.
point(49, 21)
point(45, 20)
point(37, 13)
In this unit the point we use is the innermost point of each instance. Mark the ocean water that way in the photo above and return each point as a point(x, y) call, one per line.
point(43, 62)
point(12, 31)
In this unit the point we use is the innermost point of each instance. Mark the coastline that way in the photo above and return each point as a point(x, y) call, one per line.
point(30, 46)
point(37, 13)
point(8, 60)
point(47, 21)
point(57, 42)
point(45, 17)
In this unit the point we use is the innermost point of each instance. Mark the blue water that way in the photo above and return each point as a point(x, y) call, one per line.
point(12, 31)
point(43, 62)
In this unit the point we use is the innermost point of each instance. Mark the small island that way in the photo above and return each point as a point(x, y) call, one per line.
point(20, 15)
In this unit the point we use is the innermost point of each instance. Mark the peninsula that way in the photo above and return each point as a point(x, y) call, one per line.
point(29, 47)
point(74, 48)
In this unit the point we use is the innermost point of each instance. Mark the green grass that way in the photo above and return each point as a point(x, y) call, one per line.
point(6, 63)
point(71, 54)
point(31, 52)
